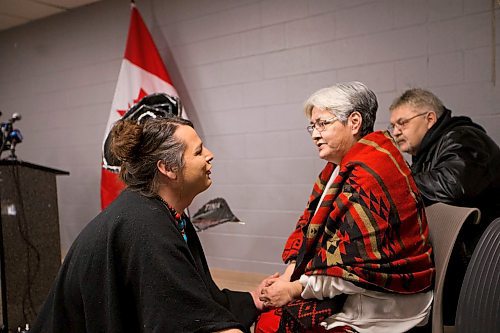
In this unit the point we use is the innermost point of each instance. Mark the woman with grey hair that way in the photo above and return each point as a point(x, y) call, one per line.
point(139, 265)
point(359, 259)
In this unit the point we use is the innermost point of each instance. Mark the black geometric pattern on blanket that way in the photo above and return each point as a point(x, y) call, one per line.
point(213, 213)
point(303, 314)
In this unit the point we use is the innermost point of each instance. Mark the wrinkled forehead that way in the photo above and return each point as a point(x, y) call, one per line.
point(405, 111)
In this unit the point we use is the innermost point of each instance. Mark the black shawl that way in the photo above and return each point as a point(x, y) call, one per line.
point(130, 270)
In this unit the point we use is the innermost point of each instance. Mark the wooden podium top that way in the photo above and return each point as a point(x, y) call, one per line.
point(34, 166)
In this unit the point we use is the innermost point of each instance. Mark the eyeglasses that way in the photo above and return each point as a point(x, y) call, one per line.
point(401, 123)
point(320, 125)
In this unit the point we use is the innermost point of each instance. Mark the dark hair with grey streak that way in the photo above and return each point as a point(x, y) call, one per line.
point(419, 98)
point(139, 147)
point(342, 99)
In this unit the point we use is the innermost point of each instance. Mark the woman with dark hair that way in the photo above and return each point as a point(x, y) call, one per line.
point(139, 265)
point(359, 259)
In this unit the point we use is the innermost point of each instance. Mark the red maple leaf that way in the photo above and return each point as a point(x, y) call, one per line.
point(142, 94)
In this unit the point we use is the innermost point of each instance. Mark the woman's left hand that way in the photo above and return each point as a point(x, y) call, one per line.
point(280, 293)
point(258, 291)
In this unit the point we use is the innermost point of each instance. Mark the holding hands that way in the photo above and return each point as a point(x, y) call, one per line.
point(257, 292)
point(279, 292)
point(276, 290)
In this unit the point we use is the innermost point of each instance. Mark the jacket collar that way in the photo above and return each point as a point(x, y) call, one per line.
point(444, 124)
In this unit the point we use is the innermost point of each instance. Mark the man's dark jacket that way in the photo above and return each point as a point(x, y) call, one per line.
point(459, 164)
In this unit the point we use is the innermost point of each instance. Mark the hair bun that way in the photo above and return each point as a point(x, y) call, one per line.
point(126, 137)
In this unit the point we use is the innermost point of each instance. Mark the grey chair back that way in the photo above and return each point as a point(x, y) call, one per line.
point(479, 302)
point(445, 222)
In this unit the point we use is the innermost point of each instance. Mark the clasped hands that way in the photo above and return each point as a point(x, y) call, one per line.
point(276, 291)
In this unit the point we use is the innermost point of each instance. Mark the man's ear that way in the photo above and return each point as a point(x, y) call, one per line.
point(431, 119)
point(162, 167)
point(355, 120)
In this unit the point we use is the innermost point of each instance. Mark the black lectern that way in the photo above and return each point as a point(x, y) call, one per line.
point(30, 248)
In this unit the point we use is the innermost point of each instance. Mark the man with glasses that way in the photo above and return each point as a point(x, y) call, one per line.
point(453, 161)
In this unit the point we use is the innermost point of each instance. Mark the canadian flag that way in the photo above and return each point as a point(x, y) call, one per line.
point(142, 72)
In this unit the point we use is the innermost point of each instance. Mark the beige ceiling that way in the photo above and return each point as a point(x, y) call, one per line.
point(17, 12)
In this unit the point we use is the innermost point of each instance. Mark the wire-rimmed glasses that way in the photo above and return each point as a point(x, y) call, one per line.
point(320, 125)
point(401, 123)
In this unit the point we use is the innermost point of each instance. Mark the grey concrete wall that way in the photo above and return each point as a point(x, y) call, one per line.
point(243, 68)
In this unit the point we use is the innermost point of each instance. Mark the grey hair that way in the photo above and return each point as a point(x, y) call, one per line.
point(342, 99)
point(419, 98)
point(139, 147)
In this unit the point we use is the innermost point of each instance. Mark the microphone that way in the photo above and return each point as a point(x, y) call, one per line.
point(15, 117)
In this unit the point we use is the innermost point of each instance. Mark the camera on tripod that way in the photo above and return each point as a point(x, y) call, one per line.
point(10, 136)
